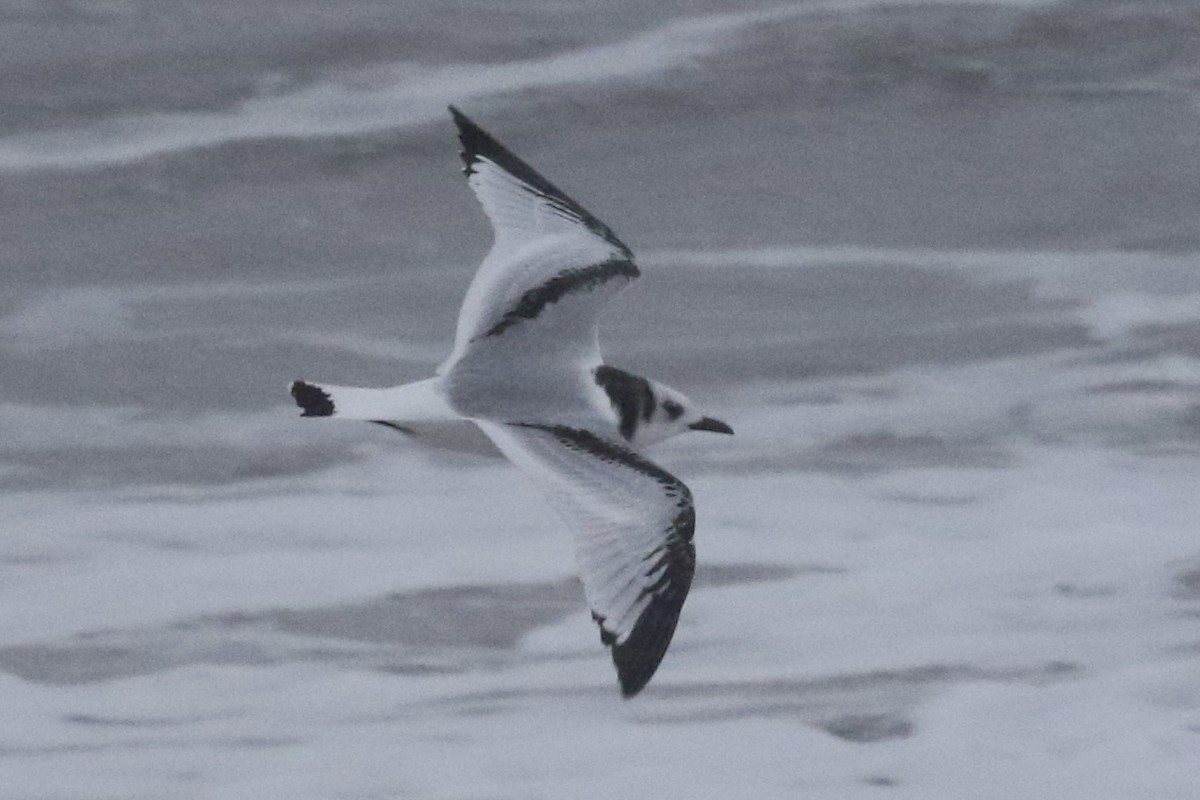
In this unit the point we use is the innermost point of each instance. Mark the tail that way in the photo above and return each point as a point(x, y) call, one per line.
point(315, 401)
point(410, 402)
point(347, 402)
point(318, 401)
point(418, 410)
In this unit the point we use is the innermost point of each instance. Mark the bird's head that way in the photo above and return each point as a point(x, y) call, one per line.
point(647, 411)
point(673, 413)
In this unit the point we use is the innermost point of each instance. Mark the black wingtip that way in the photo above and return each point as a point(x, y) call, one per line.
point(632, 685)
point(473, 139)
point(632, 673)
point(314, 400)
point(478, 144)
point(638, 657)
point(637, 661)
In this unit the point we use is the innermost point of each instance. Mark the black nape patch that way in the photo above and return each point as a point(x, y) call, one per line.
point(630, 395)
point(313, 399)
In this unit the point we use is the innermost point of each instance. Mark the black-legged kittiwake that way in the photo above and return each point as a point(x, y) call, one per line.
point(526, 369)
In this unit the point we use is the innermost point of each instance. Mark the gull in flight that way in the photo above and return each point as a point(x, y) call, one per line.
point(526, 369)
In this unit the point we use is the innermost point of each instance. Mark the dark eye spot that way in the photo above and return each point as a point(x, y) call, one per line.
point(673, 409)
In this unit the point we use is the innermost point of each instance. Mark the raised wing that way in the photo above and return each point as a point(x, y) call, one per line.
point(549, 253)
point(633, 524)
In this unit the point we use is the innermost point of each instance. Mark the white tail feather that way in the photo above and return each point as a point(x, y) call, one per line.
point(414, 402)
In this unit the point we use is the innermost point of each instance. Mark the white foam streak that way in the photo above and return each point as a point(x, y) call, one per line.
point(1118, 314)
point(399, 95)
point(787, 256)
point(1136, 275)
point(402, 95)
point(90, 314)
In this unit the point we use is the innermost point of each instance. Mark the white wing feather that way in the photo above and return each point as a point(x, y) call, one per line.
point(548, 251)
point(633, 524)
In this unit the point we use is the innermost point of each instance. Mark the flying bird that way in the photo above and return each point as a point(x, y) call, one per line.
point(526, 369)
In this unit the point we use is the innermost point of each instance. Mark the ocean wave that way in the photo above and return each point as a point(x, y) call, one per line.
point(84, 315)
point(1119, 314)
point(406, 94)
point(1087, 274)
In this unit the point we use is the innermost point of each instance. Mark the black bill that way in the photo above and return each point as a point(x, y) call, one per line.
point(710, 424)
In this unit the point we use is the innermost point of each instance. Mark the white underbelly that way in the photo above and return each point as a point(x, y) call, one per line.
point(459, 436)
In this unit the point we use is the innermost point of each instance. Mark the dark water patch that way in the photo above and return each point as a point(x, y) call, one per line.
point(410, 669)
point(196, 372)
point(182, 742)
point(1165, 241)
point(857, 707)
point(1153, 341)
point(1171, 450)
point(494, 616)
point(831, 320)
point(858, 459)
point(1181, 338)
point(259, 211)
point(842, 297)
point(461, 616)
point(80, 662)
point(885, 450)
point(26, 751)
point(1187, 584)
point(101, 721)
point(1085, 592)
point(717, 575)
point(1137, 387)
point(434, 631)
point(258, 742)
point(862, 728)
point(31, 559)
point(939, 501)
point(205, 465)
point(140, 652)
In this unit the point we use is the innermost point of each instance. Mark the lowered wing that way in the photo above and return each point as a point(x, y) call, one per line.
point(633, 524)
point(552, 265)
